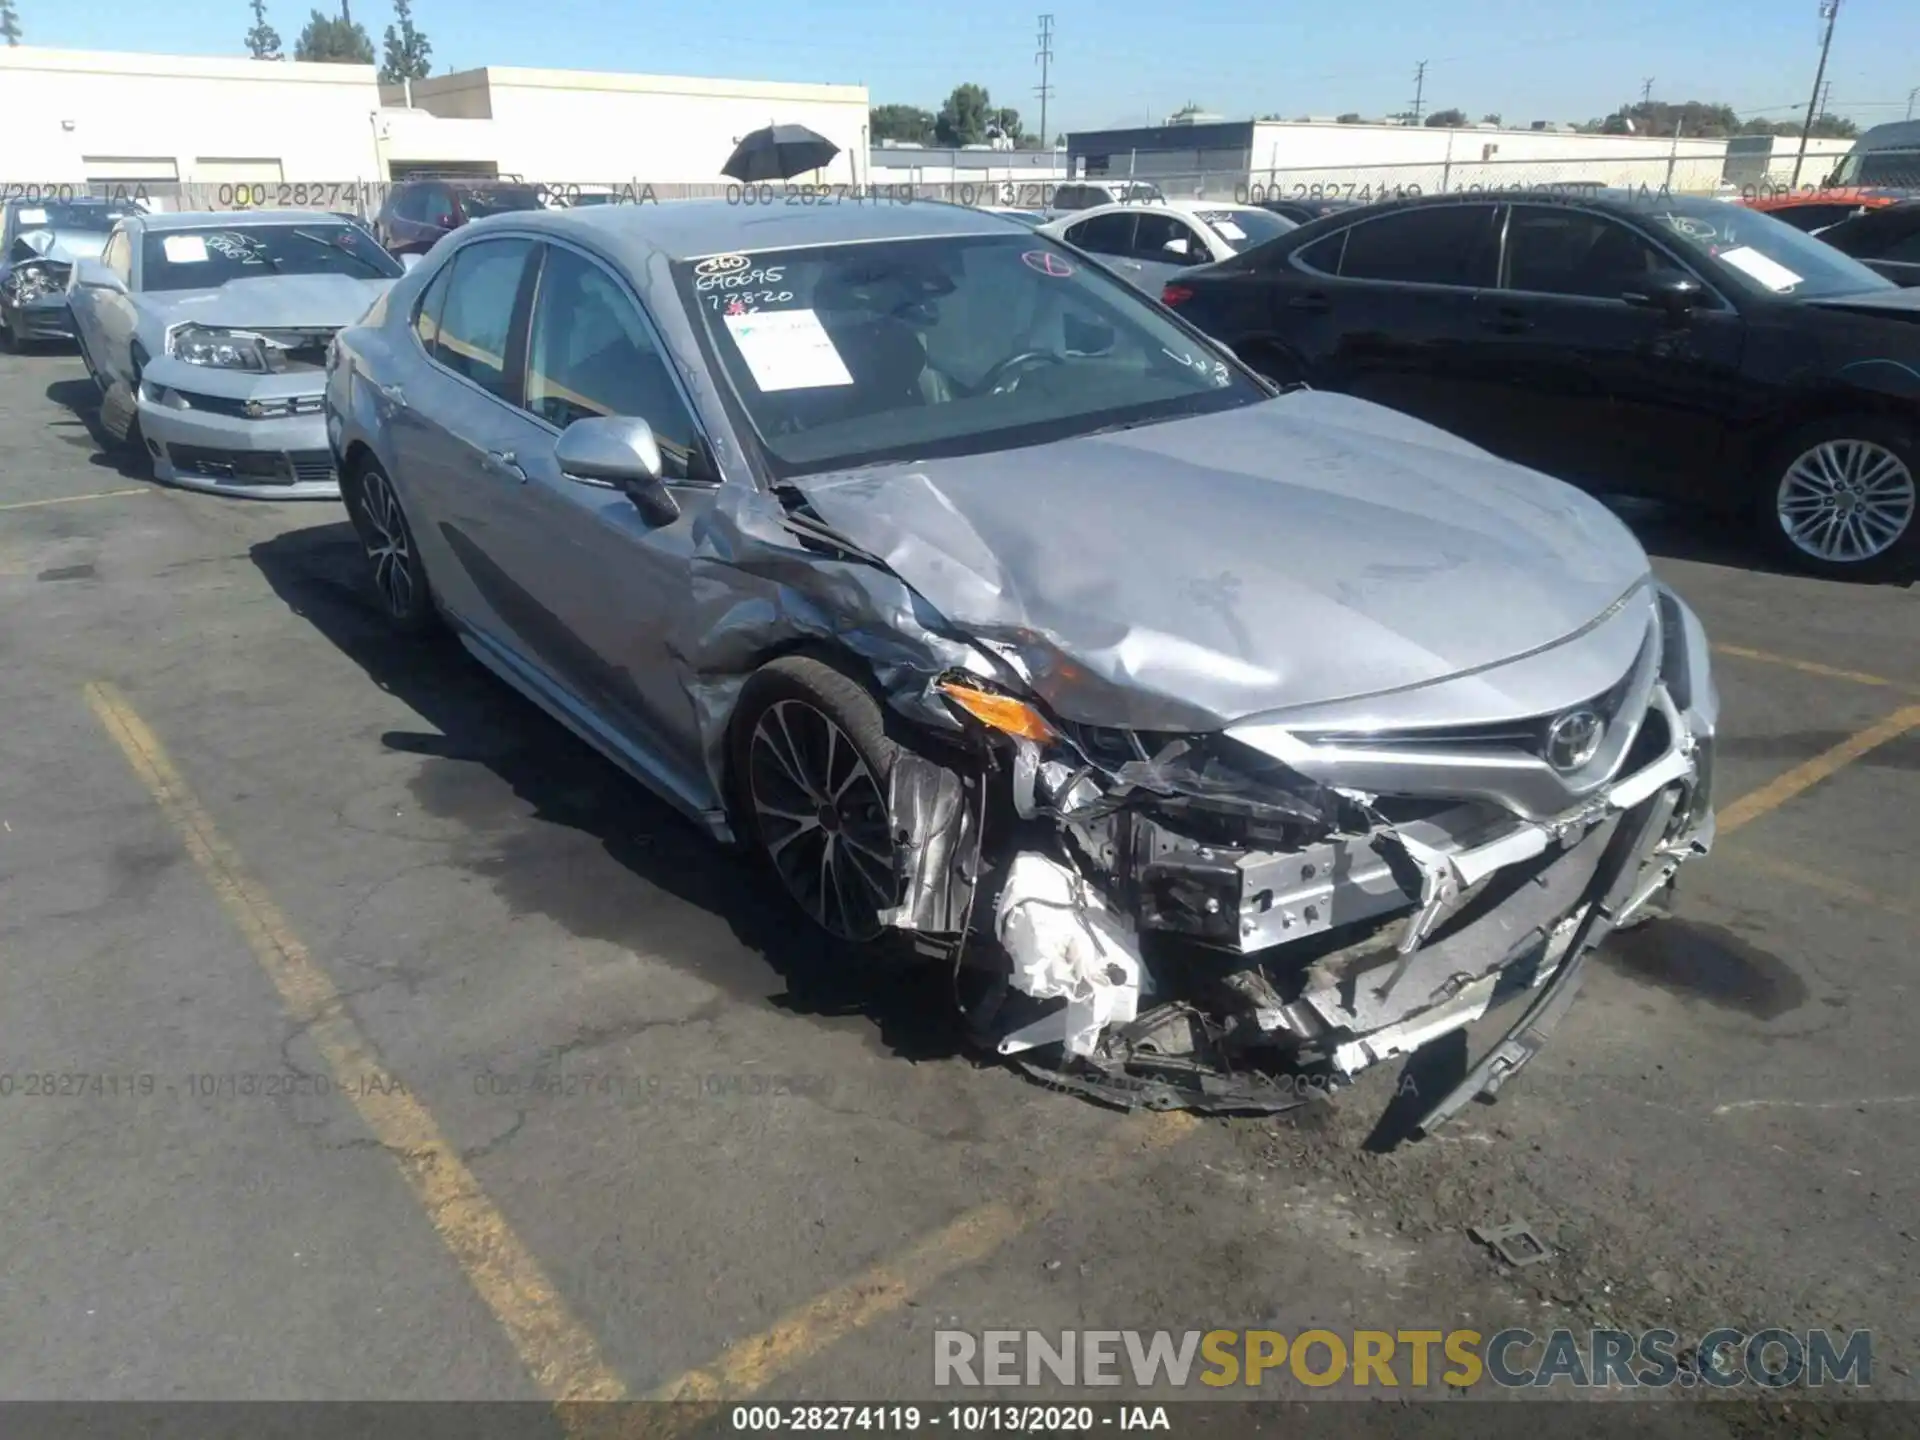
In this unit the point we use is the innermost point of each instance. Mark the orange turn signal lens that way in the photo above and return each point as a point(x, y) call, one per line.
point(999, 712)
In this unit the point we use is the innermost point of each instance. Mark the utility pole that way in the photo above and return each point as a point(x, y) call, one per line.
point(1912, 95)
point(1419, 89)
point(1829, 11)
point(1044, 90)
point(1646, 91)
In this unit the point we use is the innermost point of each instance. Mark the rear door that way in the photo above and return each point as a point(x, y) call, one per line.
point(1605, 393)
point(459, 423)
point(1384, 309)
point(1165, 242)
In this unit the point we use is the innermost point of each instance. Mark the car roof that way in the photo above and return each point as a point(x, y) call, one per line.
point(691, 229)
point(229, 219)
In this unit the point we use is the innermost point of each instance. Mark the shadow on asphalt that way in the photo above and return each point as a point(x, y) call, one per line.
point(1673, 533)
point(496, 763)
point(82, 397)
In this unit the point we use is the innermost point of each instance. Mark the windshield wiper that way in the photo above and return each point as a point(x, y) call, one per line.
point(322, 240)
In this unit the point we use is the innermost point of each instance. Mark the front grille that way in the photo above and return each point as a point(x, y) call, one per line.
point(251, 467)
point(1528, 735)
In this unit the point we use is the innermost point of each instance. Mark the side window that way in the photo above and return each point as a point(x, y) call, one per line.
point(1103, 235)
point(1429, 245)
point(1552, 251)
point(589, 352)
point(476, 319)
point(426, 320)
point(1155, 230)
point(1324, 256)
point(1906, 247)
point(406, 203)
point(118, 256)
point(437, 206)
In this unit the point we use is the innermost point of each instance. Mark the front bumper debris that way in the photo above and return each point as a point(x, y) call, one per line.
point(1152, 969)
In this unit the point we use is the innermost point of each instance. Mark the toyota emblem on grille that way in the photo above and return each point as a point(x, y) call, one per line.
point(1574, 739)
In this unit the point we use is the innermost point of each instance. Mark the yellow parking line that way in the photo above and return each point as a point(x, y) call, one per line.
point(1816, 880)
point(749, 1365)
point(1805, 776)
point(73, 499)
point(1813, 667)
point(560, 1354)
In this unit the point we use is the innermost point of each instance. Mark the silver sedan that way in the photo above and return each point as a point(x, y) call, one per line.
point(1222, 729)
point(208, 333)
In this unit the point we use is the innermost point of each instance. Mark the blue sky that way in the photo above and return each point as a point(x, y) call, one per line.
point(1130, 60)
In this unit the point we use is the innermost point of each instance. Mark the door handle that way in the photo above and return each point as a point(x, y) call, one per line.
point(502, 462)
point(392, 394)
point(1315, 302)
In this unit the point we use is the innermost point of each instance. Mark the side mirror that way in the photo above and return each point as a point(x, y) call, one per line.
point(618, 452)
point(409, 261)
point(1668, 291)
point(94, 275)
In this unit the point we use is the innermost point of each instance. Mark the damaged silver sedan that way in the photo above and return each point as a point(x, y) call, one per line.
point(1219, 731)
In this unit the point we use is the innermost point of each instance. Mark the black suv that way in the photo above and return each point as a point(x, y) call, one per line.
point(416, 213)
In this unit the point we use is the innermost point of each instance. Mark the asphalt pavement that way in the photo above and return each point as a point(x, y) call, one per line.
point(364, 1035)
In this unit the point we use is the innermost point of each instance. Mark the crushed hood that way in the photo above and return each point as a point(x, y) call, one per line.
point(294, 301)
point(1188, 574)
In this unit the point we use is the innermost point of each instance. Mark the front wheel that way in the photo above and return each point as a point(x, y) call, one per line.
point(813, 763)
point(1840, 497)
point(399, 577)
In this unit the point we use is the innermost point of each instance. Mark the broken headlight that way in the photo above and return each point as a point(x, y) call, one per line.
point(221, 349)
point(35, 279)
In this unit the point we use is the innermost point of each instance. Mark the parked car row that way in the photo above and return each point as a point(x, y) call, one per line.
point(1680, 348)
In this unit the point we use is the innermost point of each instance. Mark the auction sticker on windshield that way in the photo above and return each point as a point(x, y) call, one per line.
point(184, 249)
point(787, 350)
point(1764, 268)
point(721, 265)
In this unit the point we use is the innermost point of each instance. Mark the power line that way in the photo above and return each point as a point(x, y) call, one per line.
point(1829, 12)
point(1043, 89)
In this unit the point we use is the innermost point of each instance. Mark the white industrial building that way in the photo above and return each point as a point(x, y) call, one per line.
point(1216, 159)
point(72, 117)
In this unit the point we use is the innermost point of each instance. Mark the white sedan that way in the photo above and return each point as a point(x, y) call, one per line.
point(1150, 243)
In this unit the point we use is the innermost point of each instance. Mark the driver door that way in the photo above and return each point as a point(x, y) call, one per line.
point(610, 588)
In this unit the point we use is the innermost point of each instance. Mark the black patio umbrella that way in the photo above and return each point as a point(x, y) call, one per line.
point(779, 152)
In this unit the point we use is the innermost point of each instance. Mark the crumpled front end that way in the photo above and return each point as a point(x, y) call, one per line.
point(1196, 921)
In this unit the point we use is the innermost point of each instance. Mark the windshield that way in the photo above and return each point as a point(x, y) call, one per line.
point(498, 201)
point(1896, 169)
point(1757, 251)
point(853, 354)
point(1244, 229)
point(203, 259)
point(71, 216)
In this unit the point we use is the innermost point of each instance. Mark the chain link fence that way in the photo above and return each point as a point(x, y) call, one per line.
point(1677, 173)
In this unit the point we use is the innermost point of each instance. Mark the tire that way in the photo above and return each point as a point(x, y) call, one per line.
point(812, 762)
point(399, 576)
point(1840, 497)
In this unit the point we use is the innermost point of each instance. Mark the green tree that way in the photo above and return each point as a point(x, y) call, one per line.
point(409, 53)
point(263, 41)
point(9, 23)
point(1693, 119)
point(334, 40)
point(963, 118)
point(1493, 119)
point(1446, 118)
point(1007, 121)
point(1352, 117)
point(900, 122)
